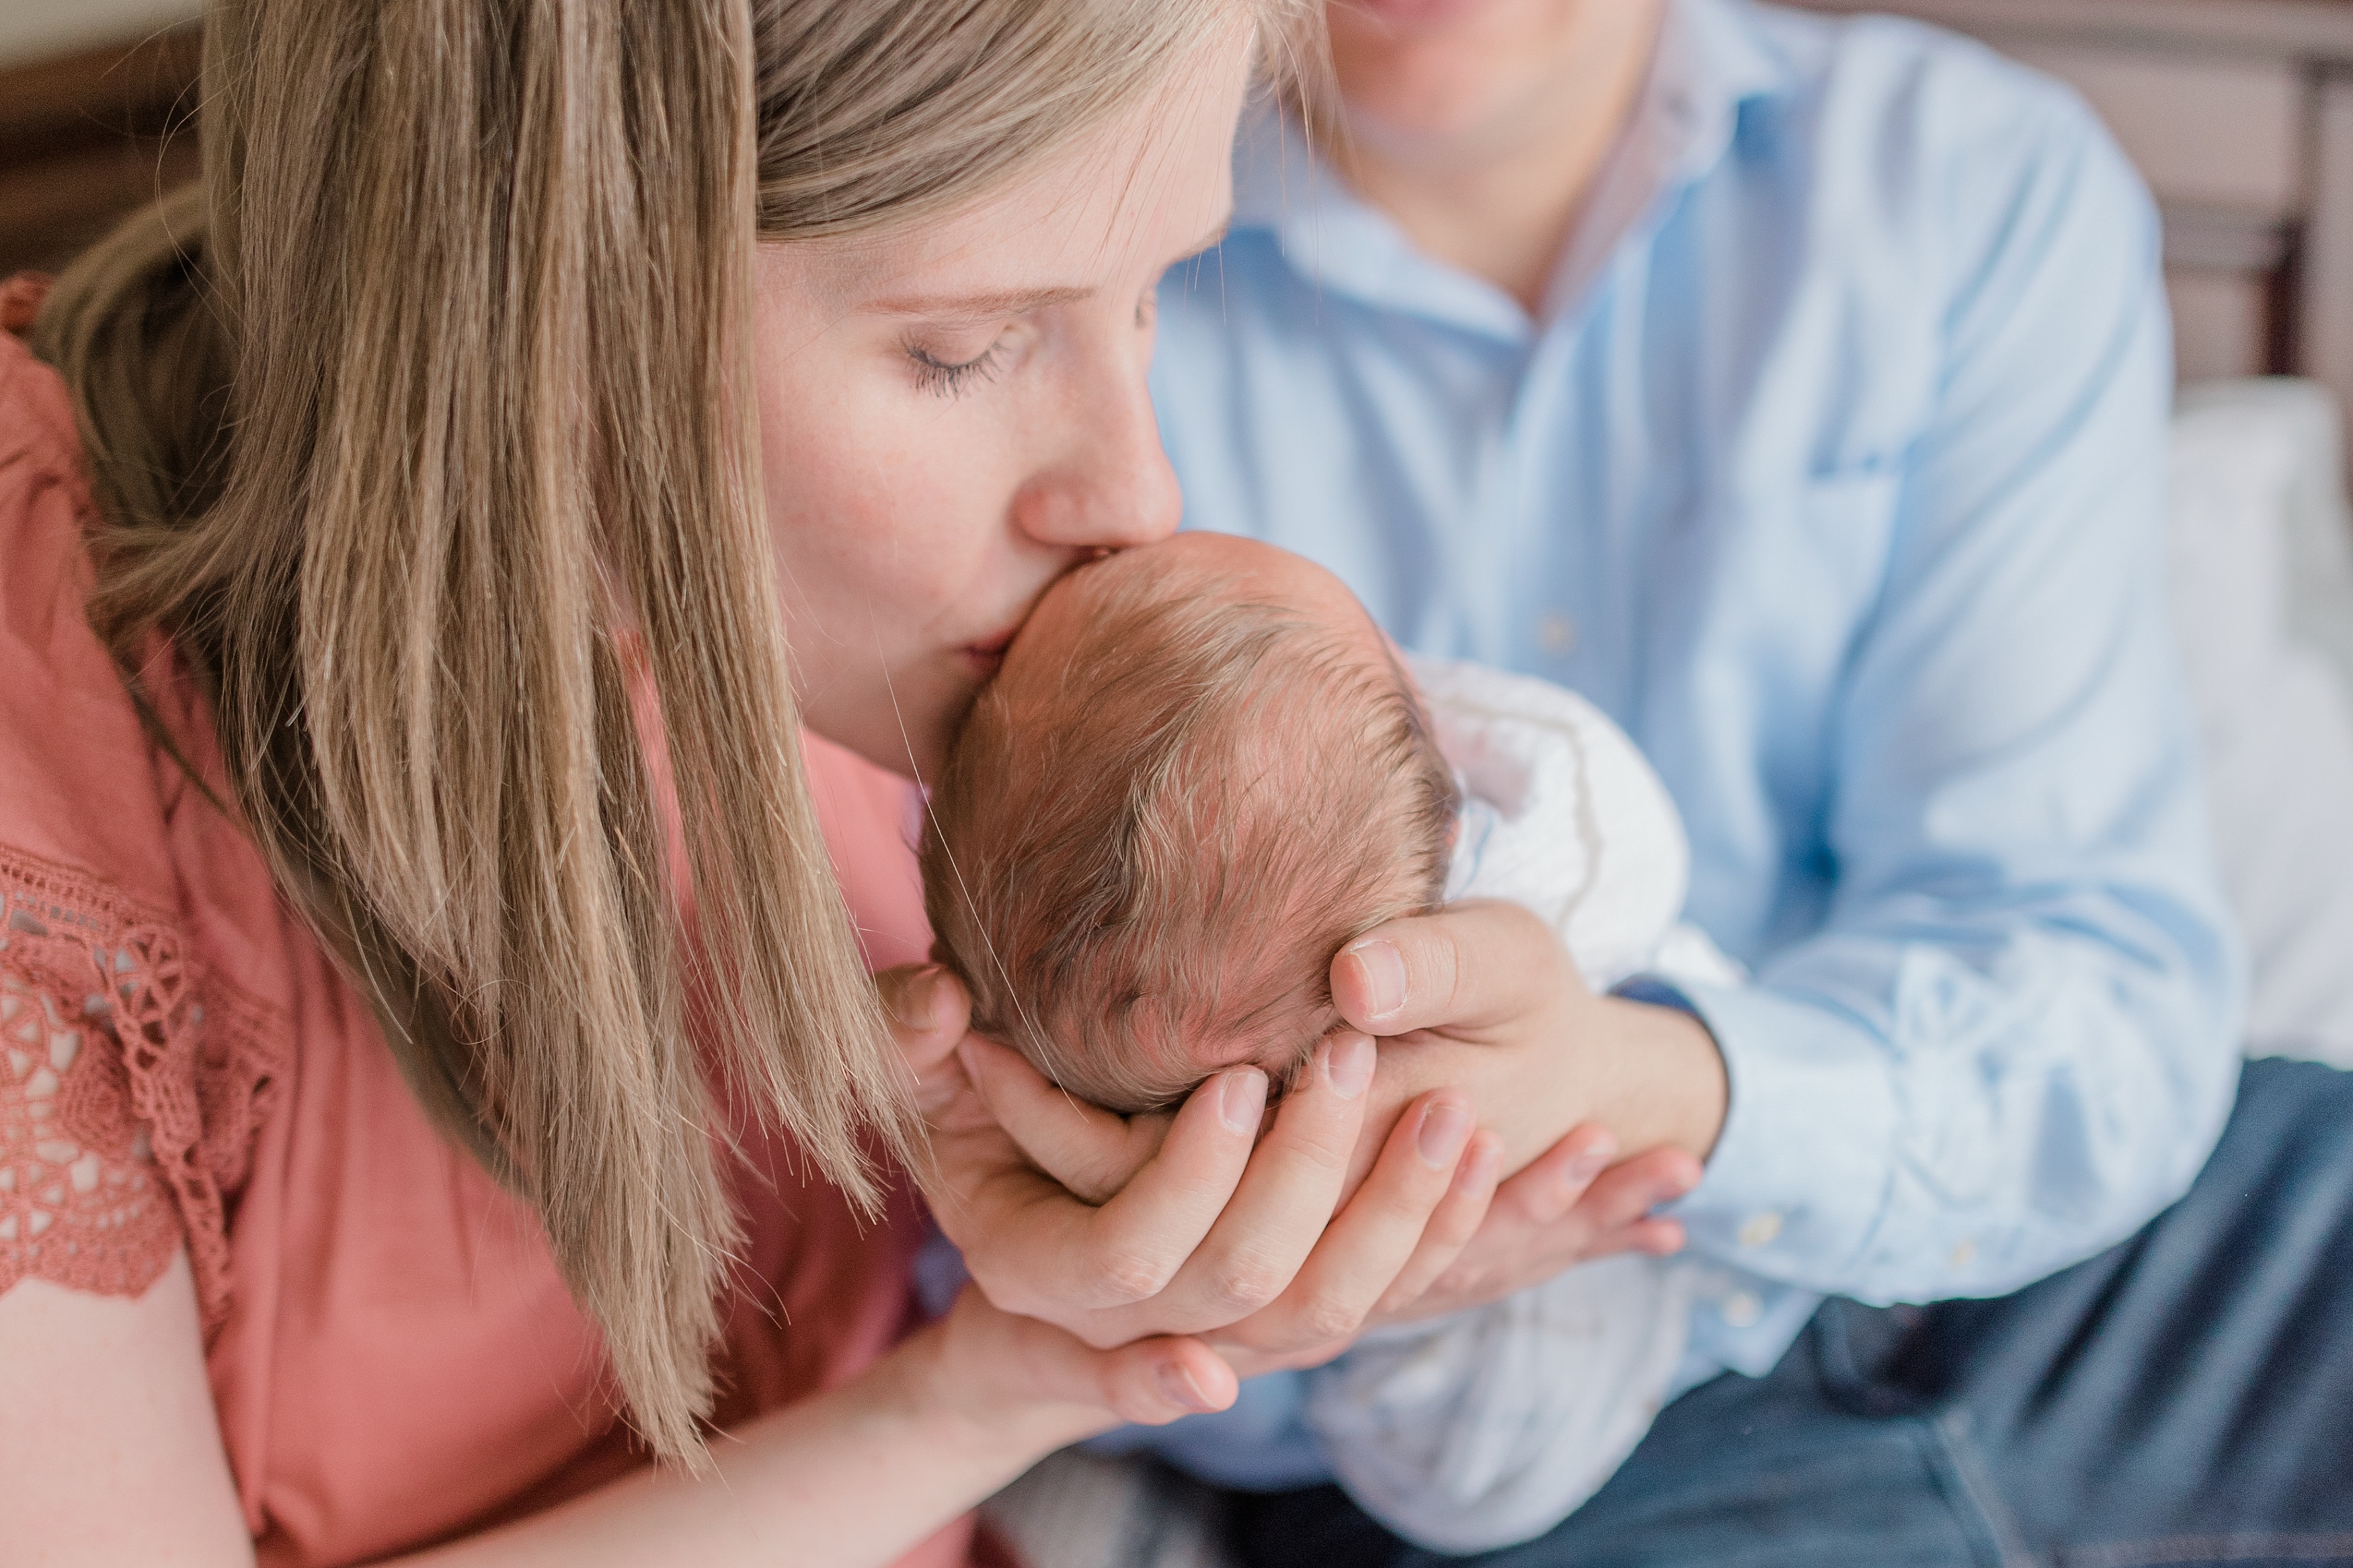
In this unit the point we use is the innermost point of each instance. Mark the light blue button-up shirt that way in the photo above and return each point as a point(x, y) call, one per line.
point(1836, 476)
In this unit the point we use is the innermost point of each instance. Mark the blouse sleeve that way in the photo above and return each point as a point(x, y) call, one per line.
point(83, 1202)
point(132, 1076)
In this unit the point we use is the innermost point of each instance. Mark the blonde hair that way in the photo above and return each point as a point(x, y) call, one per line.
point(425, 429)
point(1164, 838)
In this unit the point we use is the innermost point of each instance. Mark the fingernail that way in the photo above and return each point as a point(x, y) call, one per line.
point(1444, 1129)
point(1348, 1064)
point(1176, 1383)
point(1478, 1167)
point(1581, 1170)
point(917, 1004)
point(1384, 972)
point(1241, 1099)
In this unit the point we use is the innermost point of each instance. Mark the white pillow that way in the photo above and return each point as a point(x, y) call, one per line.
point(2263, 590)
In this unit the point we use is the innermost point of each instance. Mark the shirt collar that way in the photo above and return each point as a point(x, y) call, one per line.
point(1712, 58)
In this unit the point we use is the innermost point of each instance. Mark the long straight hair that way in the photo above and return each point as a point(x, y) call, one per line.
point(426, 431)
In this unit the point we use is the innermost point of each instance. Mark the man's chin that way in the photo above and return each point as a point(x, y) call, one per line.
point(1415, 15)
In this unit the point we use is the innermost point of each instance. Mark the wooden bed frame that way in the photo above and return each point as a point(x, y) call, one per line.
point(2240, 112)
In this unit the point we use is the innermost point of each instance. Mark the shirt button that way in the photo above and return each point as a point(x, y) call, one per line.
point(1557, 633)
point(1759, 1229)
point(1964, 1255)
point(1740, 1310)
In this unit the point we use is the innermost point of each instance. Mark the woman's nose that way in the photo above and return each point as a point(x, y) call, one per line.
point(1110, 487)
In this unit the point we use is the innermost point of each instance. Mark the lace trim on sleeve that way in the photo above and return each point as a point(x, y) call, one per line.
point(131, 1082)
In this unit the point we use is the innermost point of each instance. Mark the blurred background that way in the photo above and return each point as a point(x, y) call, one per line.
point(2240, 112)
point(91, 95)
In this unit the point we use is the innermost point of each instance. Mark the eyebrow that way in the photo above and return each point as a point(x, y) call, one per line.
point(990, 304)
point(976, 307)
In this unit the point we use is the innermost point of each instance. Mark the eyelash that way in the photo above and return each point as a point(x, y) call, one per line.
point(944, 380)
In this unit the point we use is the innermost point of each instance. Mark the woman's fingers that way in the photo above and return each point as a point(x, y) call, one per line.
point(929, 1012)
point(1469, 966)
point(1037, 1250)
point(1001, 1362)
point(1288, 1192)
point(1154, 1227)
point(1093, 1151)
point(1156, 1381)
point(1373, 1238)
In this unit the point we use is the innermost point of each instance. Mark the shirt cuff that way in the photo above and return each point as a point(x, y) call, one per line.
point(1803, 1171)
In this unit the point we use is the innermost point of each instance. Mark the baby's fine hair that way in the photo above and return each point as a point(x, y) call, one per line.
point(1168, 839)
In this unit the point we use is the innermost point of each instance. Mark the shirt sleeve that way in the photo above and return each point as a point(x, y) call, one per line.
point(2012, 1041)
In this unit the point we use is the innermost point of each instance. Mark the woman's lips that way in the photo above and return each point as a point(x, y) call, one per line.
point(985, 656)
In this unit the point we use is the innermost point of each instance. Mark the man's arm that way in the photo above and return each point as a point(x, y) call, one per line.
point(2014, 1039)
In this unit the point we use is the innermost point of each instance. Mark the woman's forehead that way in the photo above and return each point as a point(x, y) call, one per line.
point(1113, 210)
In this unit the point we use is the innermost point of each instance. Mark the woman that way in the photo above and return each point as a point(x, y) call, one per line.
point(394, 596)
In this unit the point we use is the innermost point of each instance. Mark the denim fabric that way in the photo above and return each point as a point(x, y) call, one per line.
point(2184, 1399)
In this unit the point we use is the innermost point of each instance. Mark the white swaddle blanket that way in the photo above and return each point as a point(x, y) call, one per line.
point(1488, 1426)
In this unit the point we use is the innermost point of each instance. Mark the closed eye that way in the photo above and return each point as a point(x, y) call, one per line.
point(947, 378)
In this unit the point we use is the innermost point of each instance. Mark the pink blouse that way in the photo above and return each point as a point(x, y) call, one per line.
point(392, 1355)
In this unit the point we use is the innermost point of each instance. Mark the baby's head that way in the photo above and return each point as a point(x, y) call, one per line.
point(1199, 772)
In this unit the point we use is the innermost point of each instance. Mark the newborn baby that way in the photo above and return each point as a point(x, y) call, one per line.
point(1199, 774)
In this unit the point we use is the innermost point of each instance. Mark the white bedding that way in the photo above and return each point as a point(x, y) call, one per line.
point(2263, 580)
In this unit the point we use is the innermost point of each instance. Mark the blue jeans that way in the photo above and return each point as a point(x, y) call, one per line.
point(2184, 1399)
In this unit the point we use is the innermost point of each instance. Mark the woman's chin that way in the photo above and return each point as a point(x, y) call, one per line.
point(904, 731)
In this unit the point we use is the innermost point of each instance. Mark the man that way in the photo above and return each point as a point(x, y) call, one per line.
point(1796, 390)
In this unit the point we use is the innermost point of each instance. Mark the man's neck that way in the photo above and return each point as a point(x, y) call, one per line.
point(1485, 145)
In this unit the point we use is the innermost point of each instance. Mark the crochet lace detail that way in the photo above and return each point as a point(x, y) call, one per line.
point(131, 1082)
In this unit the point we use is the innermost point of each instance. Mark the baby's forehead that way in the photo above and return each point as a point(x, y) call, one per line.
point(1279, 1051)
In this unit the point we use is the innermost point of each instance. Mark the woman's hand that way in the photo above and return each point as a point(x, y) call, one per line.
point(1207, 1233)
point(1575, 1203)
point(1031, 1382)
